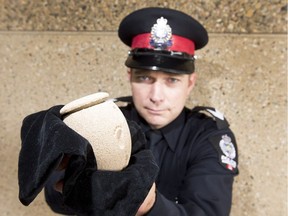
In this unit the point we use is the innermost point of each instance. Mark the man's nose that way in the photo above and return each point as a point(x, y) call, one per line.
point(157, 92)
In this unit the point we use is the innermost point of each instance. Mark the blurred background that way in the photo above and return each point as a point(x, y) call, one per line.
point(52, 52)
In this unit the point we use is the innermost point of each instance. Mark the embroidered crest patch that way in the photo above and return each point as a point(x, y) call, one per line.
point(225, 145)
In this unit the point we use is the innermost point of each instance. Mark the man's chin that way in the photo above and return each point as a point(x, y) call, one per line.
point(155, 122)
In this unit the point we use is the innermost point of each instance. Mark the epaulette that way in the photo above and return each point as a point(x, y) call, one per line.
point(221, 121)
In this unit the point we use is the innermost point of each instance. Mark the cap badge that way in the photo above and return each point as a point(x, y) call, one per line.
point(161, 34)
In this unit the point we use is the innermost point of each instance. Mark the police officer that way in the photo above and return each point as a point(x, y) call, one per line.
point(196, 153)
point(194, 148)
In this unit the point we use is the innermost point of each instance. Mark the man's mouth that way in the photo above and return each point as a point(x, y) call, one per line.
point(155, 111)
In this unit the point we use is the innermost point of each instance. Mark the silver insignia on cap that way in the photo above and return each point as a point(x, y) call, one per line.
point(161, 34)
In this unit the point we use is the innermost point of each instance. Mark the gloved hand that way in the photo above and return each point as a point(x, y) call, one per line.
point(107, 193)
point(45, 139)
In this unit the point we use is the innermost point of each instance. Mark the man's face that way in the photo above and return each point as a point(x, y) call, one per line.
point(159, 97)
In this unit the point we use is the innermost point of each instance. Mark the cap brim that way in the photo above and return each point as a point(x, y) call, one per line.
point(155, 62)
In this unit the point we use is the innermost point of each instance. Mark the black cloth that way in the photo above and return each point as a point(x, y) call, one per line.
point(87, 191)
point(192, 179)
point(44, 140)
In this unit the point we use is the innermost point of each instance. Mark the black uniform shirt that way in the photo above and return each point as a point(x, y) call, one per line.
point(194, 178)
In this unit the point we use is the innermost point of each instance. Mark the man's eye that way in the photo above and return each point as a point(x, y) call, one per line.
point(143, 78)
point(173, 80)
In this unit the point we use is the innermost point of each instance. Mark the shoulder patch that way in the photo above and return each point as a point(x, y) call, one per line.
point(225, 144)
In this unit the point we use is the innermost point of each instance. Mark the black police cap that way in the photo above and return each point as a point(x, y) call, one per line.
point(162, 39)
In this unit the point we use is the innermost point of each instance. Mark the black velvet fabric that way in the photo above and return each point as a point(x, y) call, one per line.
point(45, 139)
point(87, 190)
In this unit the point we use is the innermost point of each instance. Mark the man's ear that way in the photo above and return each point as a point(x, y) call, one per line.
point(129, 74)
point(191, 83)
point(192, 80)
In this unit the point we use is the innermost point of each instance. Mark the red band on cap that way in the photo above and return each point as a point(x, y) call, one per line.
point(179, 44)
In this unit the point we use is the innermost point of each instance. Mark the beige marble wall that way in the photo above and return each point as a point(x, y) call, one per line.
point(56, 51)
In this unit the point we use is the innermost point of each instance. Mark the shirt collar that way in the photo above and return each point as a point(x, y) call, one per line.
point(172, 131)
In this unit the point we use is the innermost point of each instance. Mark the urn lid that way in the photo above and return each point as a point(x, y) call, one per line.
point(84, 102)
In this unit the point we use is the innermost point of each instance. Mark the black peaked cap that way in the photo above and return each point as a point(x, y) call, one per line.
point(171, 58)
point(141, 21)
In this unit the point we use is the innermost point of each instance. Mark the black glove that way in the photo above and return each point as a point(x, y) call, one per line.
point(109, 193)
point(45, 139)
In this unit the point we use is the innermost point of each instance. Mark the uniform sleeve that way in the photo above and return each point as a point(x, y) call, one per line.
point(207, 185)
point(199, 203)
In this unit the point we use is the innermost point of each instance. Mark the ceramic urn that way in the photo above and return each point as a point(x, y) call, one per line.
point(101, 122)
